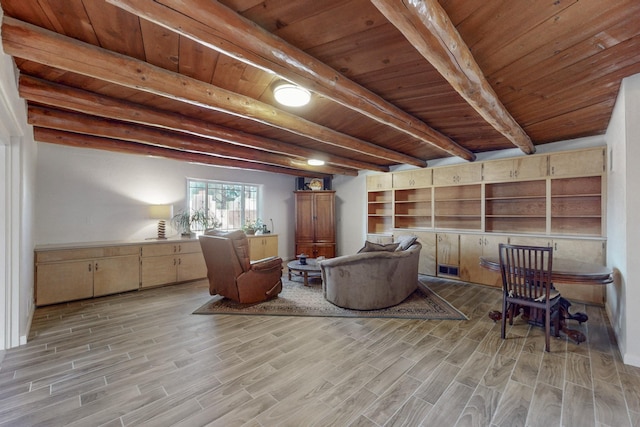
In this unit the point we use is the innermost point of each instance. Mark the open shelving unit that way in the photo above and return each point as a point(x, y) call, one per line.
point(380, 212)
point(576, 206)
point(412, 208)
point(516, 207)
point(458, 207)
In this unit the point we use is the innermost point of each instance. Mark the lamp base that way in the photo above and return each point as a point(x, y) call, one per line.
point(161, 229)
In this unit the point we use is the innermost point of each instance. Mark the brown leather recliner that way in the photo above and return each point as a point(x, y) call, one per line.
point(231, 273)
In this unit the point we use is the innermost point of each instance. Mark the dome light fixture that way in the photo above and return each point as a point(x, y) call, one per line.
point(291, 95)
point(315, 162)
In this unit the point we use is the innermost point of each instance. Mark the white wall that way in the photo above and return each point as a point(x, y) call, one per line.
point(623, 205)
point(86, 195)
point(17, 172)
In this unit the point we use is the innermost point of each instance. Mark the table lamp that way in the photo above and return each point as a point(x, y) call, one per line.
point(161, 213)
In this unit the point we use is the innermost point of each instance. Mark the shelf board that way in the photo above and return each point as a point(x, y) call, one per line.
point(413, 201)
point(516, 198)
point(574, 216)
point(458, 200)
point(573, 196)
point(516, 216)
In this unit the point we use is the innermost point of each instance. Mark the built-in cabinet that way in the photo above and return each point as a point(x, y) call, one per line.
point(71, 272)
point(467, 210)
point(262, 246)
point(315, 223)
point(165, 263)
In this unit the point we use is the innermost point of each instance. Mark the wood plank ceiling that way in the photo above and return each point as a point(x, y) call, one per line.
point(392, 81)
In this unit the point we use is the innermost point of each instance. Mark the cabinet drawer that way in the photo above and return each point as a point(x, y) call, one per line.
point(161, 249)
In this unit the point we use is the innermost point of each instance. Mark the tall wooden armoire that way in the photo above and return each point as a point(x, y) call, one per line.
point(315, 223)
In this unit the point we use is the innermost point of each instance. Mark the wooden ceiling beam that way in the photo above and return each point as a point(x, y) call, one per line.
point(45, 117)
point(33, 43)
point(53, 136)
point(428, 28)
point(222, 29)
point(60, 96)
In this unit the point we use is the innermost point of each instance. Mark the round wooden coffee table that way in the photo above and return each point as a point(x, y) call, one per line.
point(310, 269)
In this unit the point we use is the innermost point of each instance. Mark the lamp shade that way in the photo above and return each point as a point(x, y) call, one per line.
point(161, 211)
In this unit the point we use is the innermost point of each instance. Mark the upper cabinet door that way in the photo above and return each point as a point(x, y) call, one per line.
point(412, 179)
point(523, 168)
point(530, 167)
point(459, 174)
point(578, 163)
point(381, 181)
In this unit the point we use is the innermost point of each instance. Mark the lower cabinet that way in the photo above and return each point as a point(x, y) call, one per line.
point(584, 250)
point(84, 271)
point(448, 254)
point(263, 246)
point(427, 263)
point(473, 246)
point(72, 274)
point(166, 263)
point(315, 250)
point(457, 255)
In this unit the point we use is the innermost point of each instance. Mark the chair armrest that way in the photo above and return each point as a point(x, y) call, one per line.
point(266, 264)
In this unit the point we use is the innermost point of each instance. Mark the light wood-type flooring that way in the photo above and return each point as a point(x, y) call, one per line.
point(142, 358)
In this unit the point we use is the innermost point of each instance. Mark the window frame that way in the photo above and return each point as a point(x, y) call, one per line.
point(244, 186)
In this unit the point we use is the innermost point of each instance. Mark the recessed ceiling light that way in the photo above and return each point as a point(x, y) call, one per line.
point(291, 95)
point(315, 162)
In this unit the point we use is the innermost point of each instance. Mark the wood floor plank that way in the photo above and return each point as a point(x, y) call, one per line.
point(546, 406)
point(578, 406)
point(514, 406)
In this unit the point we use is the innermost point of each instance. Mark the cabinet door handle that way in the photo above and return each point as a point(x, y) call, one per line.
point(89, 266)
point(480, 241)
point(174, 261)
point(179, 261)
point(179, 248)
point(175, 249)
point(96, 266)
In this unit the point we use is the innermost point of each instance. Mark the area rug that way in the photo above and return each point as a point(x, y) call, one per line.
point(299, 300)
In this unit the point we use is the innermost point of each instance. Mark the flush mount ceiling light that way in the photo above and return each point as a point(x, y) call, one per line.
point(291, 95)
point(315, 162)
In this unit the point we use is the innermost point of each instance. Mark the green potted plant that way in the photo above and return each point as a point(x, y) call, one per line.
point(250, 226)
point(184, 220)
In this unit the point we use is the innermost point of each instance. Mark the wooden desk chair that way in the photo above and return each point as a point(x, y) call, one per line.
point(526, 282)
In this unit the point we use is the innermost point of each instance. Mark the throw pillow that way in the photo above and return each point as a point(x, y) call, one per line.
point(376, 247)
point(405, 241)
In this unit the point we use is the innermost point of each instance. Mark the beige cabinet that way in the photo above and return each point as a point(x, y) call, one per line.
point(448, 254)
point(78, 273)
point(578, 163)
point(428, 254)
point(519, 168)
point(472, 247)
point(263, 246)
point(113, 275)
point(165, 263)
point(63, 281)
point(459, 174)
point(412, 178)
point(584, 250)
point(379, 182)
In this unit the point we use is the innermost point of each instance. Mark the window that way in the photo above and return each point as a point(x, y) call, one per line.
point(231, 204)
